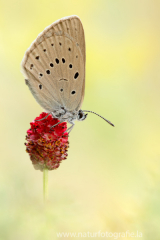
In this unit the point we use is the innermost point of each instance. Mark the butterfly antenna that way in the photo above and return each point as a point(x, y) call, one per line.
point(100, 116)
point(43, 118)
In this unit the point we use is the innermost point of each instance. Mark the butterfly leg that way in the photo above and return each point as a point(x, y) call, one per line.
point(43, 118)
point(56, 124)
point(70, 128)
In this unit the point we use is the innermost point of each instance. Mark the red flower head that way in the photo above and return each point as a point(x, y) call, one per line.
point(47, 146)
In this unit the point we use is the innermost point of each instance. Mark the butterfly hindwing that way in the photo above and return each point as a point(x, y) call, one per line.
point(54, 65)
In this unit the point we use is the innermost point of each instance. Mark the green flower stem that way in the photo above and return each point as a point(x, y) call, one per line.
point(45, 184)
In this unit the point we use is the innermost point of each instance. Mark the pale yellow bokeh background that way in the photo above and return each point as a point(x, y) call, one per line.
point(111, 179)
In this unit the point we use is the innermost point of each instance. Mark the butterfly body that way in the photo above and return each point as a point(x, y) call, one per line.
point(63, 115)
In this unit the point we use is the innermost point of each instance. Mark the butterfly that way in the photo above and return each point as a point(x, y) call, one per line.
point(54, 70)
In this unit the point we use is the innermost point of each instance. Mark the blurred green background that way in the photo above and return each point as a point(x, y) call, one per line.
point(110, 181)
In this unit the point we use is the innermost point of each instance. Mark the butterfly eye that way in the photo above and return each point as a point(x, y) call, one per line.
point(69, 49)
point(81, 115)
point(73, 92)
point(61, 89)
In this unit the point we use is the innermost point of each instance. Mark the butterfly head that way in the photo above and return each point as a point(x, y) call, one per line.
point(81, 115)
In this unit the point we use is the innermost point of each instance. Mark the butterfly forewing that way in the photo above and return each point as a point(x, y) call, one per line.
point(54, 65)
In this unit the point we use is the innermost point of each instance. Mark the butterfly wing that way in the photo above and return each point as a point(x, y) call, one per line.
point(54, 65)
